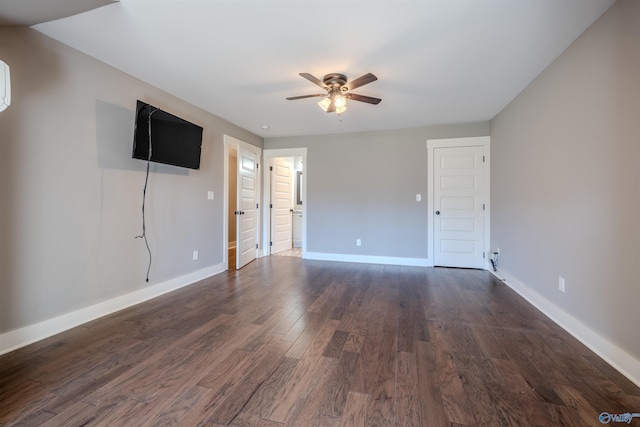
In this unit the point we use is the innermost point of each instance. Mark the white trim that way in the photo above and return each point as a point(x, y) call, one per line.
point(368, 259)
point(21, 337)
point(483, 141)
point(622, 361)
point(230, 140)
point(270, 154)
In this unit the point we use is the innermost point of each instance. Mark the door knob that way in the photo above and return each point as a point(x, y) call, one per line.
point(437, 212)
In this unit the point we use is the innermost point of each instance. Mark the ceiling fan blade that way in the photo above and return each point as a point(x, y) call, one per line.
point(363, 98)
point(293, 98)
point(313, 80)
point(361, 81)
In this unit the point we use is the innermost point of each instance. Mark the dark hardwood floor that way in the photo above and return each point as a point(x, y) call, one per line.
point(293, 342)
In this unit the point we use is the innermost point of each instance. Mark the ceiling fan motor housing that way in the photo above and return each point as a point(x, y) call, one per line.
point(335, 80)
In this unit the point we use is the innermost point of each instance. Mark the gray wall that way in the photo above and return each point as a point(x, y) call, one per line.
point(70, 194)
point(363, 185)
point(565, 179)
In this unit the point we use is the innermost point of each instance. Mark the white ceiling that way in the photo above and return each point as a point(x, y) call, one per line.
point(437, 61)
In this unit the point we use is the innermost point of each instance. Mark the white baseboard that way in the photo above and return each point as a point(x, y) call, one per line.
point(21, 337)
point(621, 360)
point(367, 259)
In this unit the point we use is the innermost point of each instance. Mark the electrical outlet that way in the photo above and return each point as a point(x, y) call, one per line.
point(195, 255)
point(358, 242)
point(561, 284)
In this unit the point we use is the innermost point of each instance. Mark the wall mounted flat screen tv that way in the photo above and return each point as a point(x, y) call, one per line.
point(174, 141)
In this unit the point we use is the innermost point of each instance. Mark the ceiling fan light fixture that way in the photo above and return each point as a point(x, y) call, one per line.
point(324, 104)
point(340, 103)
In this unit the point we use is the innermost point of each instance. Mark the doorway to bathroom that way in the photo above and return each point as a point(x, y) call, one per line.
point(284, 216)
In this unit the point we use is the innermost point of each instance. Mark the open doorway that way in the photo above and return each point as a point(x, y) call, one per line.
point(232, 185)
point(284, 216)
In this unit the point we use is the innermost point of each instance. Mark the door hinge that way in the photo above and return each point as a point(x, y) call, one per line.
point(257, 165)
point(483, 255)
point(270, 243)
point(256, 246)
point(271, 168)
point(483, 159)
point(270, 205)
point(484, 208)
point(257, 205)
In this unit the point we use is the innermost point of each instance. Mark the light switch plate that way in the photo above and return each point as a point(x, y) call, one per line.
point(210, 195)
point(418, 197)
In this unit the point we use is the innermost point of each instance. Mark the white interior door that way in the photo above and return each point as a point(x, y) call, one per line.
point(246, 228)
point(458, 177)
point(281, 205)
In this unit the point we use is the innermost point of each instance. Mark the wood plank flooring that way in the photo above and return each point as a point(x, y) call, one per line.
point(292, 342)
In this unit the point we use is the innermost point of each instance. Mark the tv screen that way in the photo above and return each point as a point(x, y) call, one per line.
point(174, 141)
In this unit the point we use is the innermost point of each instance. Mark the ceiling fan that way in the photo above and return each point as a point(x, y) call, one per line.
point(338, 90)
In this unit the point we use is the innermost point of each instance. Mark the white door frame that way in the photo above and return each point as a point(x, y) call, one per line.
point(228, 141)
point(284, 152)
point(432, 144)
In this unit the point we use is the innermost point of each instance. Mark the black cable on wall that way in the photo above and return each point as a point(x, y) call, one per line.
point(144, 198)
